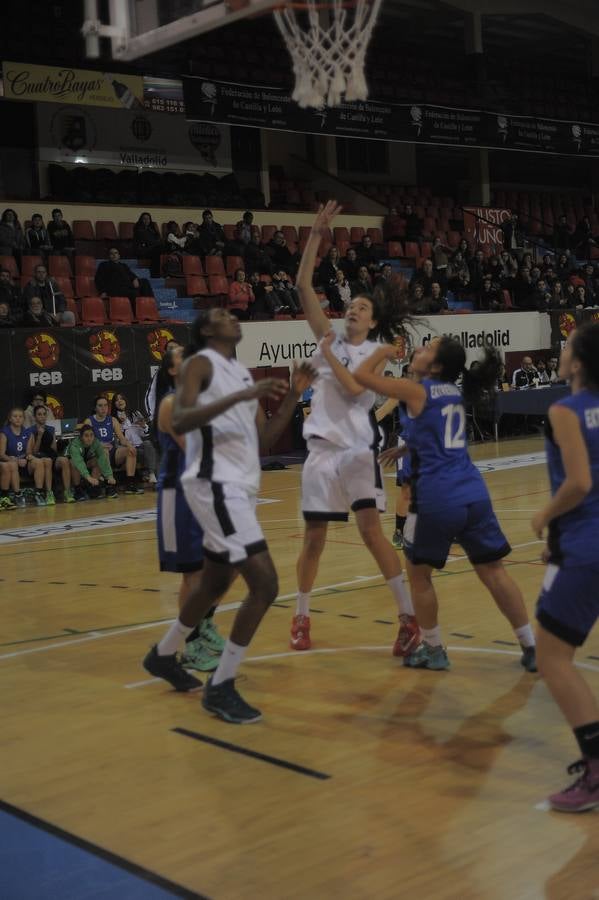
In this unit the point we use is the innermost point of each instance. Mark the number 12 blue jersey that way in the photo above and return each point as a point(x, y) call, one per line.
point(442, 471)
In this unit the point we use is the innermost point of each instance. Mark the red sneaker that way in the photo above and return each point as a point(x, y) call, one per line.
point(300, 633)
point(584, 793)
point(408, 636)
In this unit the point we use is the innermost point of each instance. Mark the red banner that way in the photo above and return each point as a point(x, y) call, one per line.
point(482, 225)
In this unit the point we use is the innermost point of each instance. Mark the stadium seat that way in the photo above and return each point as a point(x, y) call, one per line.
point(356, 234)
point(267, 232)
point(83, 230)
point(60, 267)
point(376, 234)
point(341, 234)
point(453, 238)
point(85, 286)
point(72, 307)
point(412, 249)
point(218, 285)
point(229, 232)
point(85, 265)
point(192, 265)
point(395, 249)
point(65, 285)
point(92, 311)
point(426, 249)
point(105, 230)
point(304, 232)
point(126, 231)
point(28, 264)
point(343, 247)
point(146, 310)
point(195, 285)
point(214, 265)
point(234, 263)
point(119, 311)
point(290, 234)
point(10, 263)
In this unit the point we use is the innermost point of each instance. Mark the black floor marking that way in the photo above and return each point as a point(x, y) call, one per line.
point(347, 616)
point(57, 582)
point(459, 634)
point(151, 590)
point(592, 657)
point(123, 587)
point(71, 631)
point(506, 643)
point(382, 622)
point(263, 757)
point(87, 584)
point(107, 855)
point(26, 581)
point(312, 609)
point(281, 605)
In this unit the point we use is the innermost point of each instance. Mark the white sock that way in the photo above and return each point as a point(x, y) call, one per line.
point(302, 604)
point(401, 592)
point(231, 659)
point(174, 639)
point(432, 636)
point(525, 635)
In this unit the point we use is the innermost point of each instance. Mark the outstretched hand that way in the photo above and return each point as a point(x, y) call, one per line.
point(302, 377)
point(325, 216)
point(328, 340)
point(266, 387)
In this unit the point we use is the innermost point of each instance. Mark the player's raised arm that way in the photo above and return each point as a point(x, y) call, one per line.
point(317, 320)
point(410, 393)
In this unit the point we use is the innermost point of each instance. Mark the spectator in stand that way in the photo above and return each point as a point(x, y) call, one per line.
point(464, 248)
point(559, 299)
point(36, 315)
point(542, 297)
point(494, 270)
point(241, 296)
point(37, 239)
point(589, 276)
point(256, 258)
point(582, 239)
point(562, 235)
point(115, 279)
point(280, 255)
point(7, 320)
point(509, 264)
point(326, 274)
point(513, 237)
point(385, 275)
point(523, 289)
point(418, 302)
point(580, 297)
point(392, 225)
point(363, 283)
point(570, 294)
point(53, 300)
point(244, 230)
point(286, 293)
point(193, 241)
point(413, 224)
point(552, 367)
point(564, 266)
point(440, 257)
point(525, 376)
point(350, 264)
point(339, 293)
point(460, 287)
point(120, 451)
point(437, 301)
point(547, 263)
point(60, 234)
point(424, 276)
point(44, 449)
point(367, 255)
point(478, 270)
point(175, 239)
point(212, 235)
point(457, 264)
point(147, 242)
point(38, 398)
point(10, 294)
point(136, 430)
point(16, 444)
point(89, 463)
point(263, 306)
point(542, 370)
point(11, 234)
point(490, 296)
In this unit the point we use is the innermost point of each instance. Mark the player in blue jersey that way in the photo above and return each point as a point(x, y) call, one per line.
point(179, 535)
point(450, 501)
point(16, 456)
point(568, 606)
point(120, 451)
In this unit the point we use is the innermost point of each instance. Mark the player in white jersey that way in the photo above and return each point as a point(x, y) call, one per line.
point(342, 470)
point(216, 406)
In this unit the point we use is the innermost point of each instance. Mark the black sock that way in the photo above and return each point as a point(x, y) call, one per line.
point(588, 739)
point(400, 521)
point(211, 612)
point(130, 479)
point(193, 635)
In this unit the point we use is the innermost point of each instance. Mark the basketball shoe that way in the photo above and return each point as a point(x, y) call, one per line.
point(197, 655)
point(170, 669)
point(584, 793)
point(529, 659)
point(408, 637)
point(224, 701)
point(427, 657)
point(210, 636)
point(300, 633)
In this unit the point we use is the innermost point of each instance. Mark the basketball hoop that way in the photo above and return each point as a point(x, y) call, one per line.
point(328, 59)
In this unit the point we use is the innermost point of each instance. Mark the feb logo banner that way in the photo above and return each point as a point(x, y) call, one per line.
point(482, 225)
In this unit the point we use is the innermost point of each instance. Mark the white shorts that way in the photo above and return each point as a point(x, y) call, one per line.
point(336, 480)
point(227, 516)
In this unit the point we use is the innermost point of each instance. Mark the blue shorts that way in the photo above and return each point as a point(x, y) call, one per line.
point(428, 536)
point(180, 538)
point(568, 605)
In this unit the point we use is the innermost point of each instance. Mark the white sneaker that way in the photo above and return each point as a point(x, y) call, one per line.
point(151, 478)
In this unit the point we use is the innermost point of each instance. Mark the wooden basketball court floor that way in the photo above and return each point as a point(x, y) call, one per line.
point(364, 779)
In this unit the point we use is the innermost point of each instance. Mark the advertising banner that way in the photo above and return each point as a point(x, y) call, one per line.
point(131, 139)
point(270, 107)
point(43, 358)
point(6, 375)
point(82, 87)
point(105, 364)
point(150, 344)
point(482, 225)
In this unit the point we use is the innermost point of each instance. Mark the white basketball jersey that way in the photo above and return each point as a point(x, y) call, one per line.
point(335, 415)
point(226, 449)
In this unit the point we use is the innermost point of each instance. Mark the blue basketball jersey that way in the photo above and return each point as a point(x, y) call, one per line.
point(172, 461)
point(16, 444)
point(574, 537)
point(103, 430)
point(442, 471)
point(404, 466)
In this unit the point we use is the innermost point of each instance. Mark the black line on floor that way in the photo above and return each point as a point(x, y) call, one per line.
point(57, 582)
point(382, 622)
point(71, 631)
point(506, 643)
point(281, 605)
point(312, 609)
point(87, 584)
point(107, 855)
point(151, 590)
point(122, 587)
point(244, 751)
point(25, 581)
point(347, 616)
point(460, 635)
point(592, 657)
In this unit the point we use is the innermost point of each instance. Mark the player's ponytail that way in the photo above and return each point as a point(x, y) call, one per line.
point(390, 310)
point(585, 348)
point(451, 356)
point(165, 382)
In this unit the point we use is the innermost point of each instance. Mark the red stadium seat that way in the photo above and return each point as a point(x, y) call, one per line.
point(192, 265)
point(60, 267)
point(85, 286)
point(356, 234)
point(10, 263)
point(195, 285)
point(83, 230)
point(343, 247)
point(119, 311)
point(126, 231)
point(85, 265)
point(290, 233)
point(105, 230)
point(218, 285)
point(412, 249)
point(341, 234)
point(453, 238)
point(267, 232)
point(146, 310)
point(229, 232)
point(376, 234)
point(395, 249)
point(28, 264)
point(426, 249)
point(214, 265)
point(65, 285)
point(234, 263)
point(93, 311)
point(72, 307)
point(304, 232)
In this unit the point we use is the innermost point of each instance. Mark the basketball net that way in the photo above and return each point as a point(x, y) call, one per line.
point(328, 60)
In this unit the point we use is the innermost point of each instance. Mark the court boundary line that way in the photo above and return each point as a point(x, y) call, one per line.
point(101, 852)
point(253, 754)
